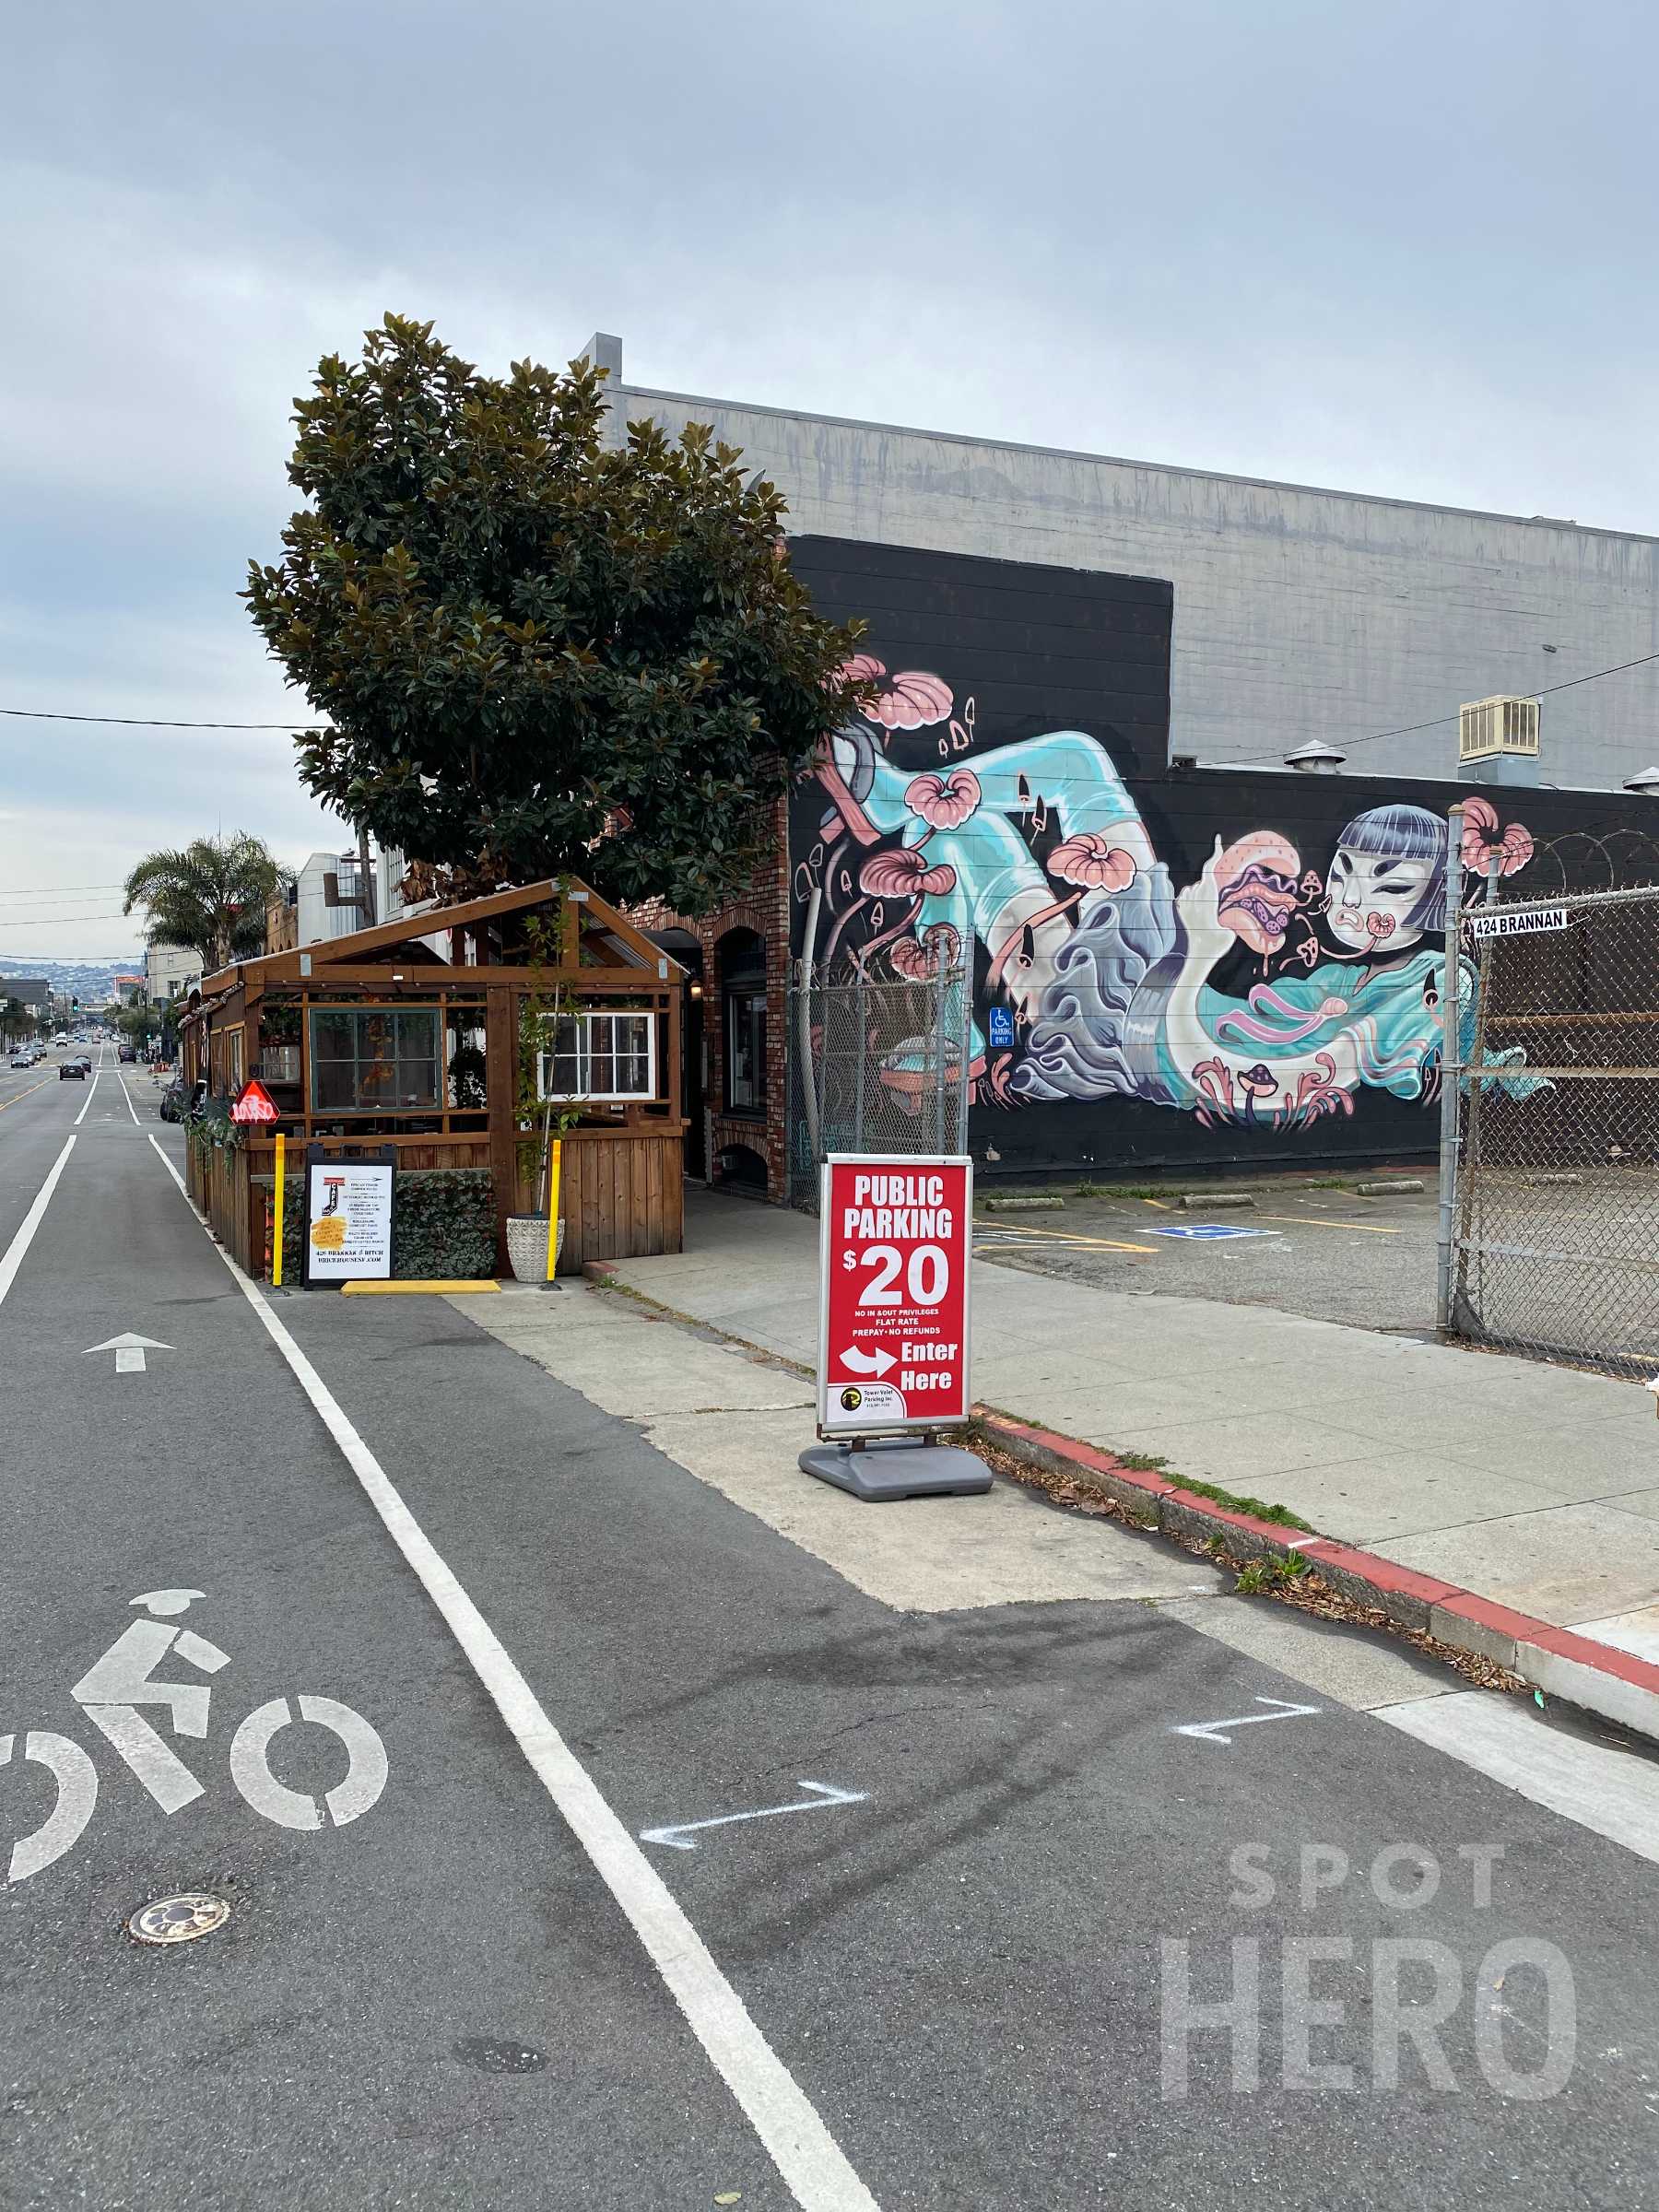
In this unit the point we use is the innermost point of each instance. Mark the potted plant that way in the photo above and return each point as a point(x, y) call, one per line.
point(527, 1233)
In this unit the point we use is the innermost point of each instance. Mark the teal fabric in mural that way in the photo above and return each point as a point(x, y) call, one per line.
point(1272, 988)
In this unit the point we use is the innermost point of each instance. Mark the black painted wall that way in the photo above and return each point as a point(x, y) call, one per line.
point(1216, 967)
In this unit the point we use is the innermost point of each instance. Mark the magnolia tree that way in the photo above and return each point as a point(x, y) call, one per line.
point(537, 652)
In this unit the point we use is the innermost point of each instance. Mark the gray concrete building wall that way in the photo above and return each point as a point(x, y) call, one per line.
point(1299, 614)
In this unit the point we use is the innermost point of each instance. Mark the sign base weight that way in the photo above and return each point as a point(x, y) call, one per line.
point(898, 1467)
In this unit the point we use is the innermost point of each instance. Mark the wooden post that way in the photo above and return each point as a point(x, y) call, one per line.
point(276, 1239)
point(501, 1093)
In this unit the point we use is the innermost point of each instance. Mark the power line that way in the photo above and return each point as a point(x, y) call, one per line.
point(1441, 722)
point(78, 890)
point(55, 920)
point(143, 721)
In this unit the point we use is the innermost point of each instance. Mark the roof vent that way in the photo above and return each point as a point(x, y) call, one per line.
point(1646, 784)
point(1315, 759)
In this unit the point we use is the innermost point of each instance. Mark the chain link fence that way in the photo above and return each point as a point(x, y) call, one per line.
point(1552, 1185)
point(879, 1062)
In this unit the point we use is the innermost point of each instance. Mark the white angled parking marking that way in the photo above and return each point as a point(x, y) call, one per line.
point(824, 1795)
point(1210, 1731)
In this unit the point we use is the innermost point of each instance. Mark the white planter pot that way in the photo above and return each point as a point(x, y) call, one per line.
point(527, 1246)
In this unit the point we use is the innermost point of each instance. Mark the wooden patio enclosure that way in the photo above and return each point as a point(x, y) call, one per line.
point(408, 1037)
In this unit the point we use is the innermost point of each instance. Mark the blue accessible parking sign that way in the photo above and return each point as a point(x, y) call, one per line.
point(1214, 1229)
point(1000, 1025)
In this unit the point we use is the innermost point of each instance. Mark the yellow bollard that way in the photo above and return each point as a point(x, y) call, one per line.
point(276, 1239)
point(553, 1208)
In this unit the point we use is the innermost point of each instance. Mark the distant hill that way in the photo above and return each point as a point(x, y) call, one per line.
point(93, 982)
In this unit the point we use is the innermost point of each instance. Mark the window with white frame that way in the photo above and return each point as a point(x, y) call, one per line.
point(607, 1057)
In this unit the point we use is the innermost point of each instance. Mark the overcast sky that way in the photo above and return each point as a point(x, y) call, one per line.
point(1392, 247)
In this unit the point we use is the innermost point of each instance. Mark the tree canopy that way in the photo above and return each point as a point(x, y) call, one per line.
point(211, 897)
point(540, 653)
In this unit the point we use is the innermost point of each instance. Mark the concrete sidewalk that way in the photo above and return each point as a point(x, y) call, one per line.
point(1535, 1486)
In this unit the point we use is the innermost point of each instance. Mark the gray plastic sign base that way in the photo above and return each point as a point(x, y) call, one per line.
point(898, 1467)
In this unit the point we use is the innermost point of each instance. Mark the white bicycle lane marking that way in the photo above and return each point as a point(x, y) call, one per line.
point(109, 1693)
point(815, 2169)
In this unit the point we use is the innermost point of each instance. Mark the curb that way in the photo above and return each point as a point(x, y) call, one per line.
point(1595, 1676)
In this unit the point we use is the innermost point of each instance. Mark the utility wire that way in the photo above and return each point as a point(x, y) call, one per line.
point(1441, 722)
point(141, 721)
point(62, 890)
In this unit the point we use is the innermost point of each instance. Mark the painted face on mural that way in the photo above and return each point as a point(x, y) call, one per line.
point(1257, 879)
point(1373, 896)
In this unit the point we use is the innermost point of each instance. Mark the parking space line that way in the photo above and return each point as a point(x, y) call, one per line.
point(1370, 1229)
point(815, 2169)
point(1068, 1236)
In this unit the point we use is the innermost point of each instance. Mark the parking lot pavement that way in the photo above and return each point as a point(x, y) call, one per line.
point(1328, 1253)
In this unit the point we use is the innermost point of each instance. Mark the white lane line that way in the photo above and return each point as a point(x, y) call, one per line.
point(815, 2169)
point(32, 1220)
point(81, 1116)
point(127, 1095)
point(1612, 1791)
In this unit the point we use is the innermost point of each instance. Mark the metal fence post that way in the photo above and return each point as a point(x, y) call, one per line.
point(1451, 1066)
point(964, 1049)
point(858, 1063)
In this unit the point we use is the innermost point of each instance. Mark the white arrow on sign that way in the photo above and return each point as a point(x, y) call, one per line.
point(1211, 1730)
point(824, 1795)
point(129, 1352)
point(867, 1363)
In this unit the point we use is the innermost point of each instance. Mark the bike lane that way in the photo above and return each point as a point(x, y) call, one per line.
point(435, 2002)
point(959, 1949)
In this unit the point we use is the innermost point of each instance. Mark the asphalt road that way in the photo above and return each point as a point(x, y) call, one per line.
point(963, 1966)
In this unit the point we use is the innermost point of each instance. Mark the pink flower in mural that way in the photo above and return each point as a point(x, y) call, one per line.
point(940, 947)
point(944, 802)
point(1482, 844)
point(1092, 860)
point(863, 668)
point(909, 701)
point(904, 874)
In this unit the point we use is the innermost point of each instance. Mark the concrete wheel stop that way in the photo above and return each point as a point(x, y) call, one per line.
point(898, 1467)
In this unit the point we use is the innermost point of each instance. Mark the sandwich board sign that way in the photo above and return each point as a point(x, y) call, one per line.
point(348, 1220)
point(895, 1244)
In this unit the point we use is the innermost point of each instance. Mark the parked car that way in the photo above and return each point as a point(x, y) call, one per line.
point(72, 1066)
point(175, 1100)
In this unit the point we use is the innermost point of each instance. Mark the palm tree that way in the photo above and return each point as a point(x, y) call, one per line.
point(211, 897)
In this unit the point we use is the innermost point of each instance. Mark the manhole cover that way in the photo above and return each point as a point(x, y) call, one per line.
point(179, 1919)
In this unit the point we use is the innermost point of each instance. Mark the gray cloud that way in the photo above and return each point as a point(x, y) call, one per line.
point(1400, 248)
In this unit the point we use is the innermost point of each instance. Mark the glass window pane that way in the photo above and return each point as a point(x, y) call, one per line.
point(333, 1085)
point(332, 1036)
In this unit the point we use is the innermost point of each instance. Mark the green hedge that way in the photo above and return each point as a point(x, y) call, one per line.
point(444, 1223)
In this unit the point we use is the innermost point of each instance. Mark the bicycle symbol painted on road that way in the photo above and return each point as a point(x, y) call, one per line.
point(111, 1693)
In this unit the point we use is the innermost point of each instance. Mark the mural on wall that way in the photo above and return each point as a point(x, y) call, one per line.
point(1268, 987)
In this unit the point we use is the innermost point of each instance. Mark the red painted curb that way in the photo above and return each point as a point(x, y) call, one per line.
point(1385, 1579)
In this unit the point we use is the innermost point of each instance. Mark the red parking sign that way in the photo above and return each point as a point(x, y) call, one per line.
point(894, 1243)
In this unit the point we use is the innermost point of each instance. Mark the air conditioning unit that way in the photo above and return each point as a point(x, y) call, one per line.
point(1490, 728)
